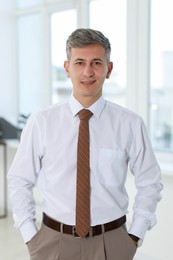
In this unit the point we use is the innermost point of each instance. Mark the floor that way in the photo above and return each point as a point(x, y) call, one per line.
point(157, 244)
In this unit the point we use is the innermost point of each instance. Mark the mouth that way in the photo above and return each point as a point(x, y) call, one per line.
point(88, 82)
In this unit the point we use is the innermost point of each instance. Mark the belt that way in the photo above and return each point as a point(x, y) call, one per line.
point(94, 231)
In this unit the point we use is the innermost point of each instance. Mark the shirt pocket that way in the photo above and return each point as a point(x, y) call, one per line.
point(112, 166)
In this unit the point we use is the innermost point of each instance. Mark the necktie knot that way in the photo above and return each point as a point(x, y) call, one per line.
point(85, 114)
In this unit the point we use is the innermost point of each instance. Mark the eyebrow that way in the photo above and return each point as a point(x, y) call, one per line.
point(95, 59)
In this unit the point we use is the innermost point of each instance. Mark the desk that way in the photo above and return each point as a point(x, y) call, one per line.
point(3, 214)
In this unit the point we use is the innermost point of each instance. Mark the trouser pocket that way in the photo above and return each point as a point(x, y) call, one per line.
point(118, 245)
point(45, 245)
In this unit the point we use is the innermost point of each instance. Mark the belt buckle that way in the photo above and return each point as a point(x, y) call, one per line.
point(74, 233)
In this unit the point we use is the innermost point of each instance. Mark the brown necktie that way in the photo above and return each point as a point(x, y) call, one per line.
point(83, 176)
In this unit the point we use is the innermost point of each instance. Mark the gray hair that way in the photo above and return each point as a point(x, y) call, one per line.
point(82, 37)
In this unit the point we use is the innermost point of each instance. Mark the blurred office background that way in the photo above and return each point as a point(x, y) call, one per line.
point(32, 52)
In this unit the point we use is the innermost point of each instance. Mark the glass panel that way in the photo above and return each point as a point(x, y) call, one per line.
point(112, 22)
point(161, 91)
point(61, 86)
point(27, 3)
point(29, 63)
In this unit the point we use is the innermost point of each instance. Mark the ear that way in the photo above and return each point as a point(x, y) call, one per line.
point(110, 68)
point(66, 67)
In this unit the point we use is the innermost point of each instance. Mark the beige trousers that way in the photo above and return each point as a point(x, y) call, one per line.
point(49, 244)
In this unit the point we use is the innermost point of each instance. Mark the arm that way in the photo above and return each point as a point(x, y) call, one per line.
point(147, 175)
point(22, 178)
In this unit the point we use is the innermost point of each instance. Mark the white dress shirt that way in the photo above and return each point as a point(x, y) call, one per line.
point(47, 157)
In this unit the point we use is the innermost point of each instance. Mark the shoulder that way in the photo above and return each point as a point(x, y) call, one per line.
point(122, 113)
point(50, 111)
point(48, 115)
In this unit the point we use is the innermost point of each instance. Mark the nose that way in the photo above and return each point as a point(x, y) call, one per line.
point(88, 70)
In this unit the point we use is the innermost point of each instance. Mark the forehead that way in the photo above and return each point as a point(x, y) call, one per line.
point(92, 51)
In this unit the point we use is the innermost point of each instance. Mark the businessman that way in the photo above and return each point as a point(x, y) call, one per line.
point(77, 153)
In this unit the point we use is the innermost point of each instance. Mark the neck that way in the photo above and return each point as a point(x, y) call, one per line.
point(87, 101)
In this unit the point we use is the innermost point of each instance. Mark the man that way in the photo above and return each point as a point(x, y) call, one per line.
point(49, 157)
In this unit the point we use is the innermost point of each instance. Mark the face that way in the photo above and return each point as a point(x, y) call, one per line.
point(88, 68)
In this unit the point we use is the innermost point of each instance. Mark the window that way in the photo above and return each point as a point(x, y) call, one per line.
point(161, 82)
point(29, 54)
point(41, 38)
point(61, 85)
point(112, 22)
point(27, 3)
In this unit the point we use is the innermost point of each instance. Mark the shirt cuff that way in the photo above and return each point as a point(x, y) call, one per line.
point(28, 231)
point(138, 228)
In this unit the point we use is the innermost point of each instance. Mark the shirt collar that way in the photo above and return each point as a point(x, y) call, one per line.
point(95, 108)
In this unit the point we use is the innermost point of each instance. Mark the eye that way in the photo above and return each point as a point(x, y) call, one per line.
point(79, 63)
point(97, 63)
